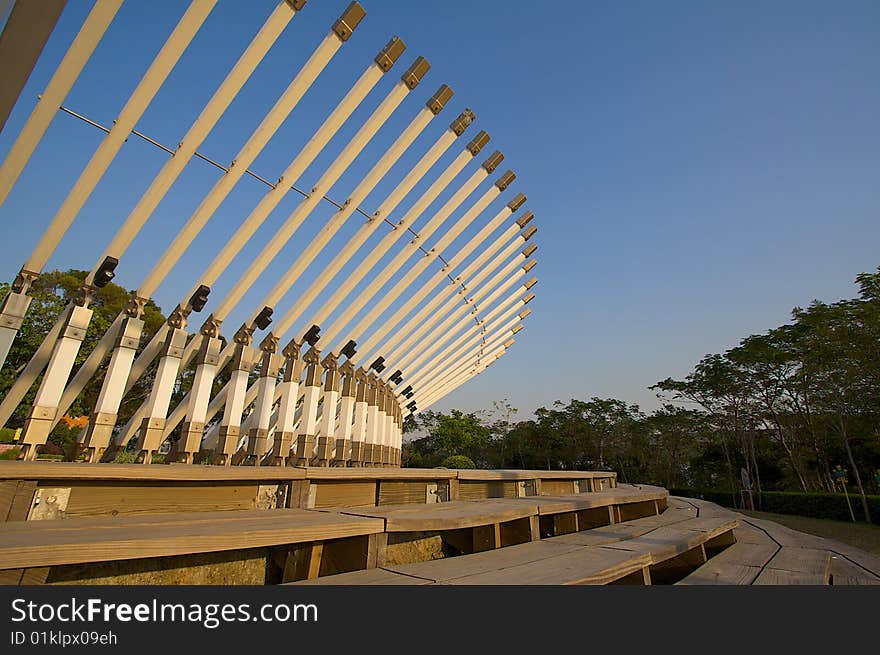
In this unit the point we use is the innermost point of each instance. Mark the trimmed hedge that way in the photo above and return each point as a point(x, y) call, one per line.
point(815, 505)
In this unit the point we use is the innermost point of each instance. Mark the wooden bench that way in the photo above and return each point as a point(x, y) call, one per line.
point(660, 554)
point(300, 543)
point(560, 515)
point(421, 531)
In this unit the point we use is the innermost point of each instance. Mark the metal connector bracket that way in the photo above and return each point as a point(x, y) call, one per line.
point(532, 282)
point(529, 233)
point(389, 55)
point(517, 202)
point(460, 124)
point(438, 101)
point(478, 142)
point(493, 161)
point(349, 20)
point(505, 180)
point(529, 249)
point(416, 72)
point(524, 218)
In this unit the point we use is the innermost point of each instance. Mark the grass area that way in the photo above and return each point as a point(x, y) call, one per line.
point(860, 535)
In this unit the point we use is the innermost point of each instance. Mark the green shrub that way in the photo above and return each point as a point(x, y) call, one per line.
point(10, 454)
point(457, 462)
point(7, 435)
point(815, 505)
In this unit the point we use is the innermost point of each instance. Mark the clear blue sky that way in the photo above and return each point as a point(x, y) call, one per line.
point(697, 169)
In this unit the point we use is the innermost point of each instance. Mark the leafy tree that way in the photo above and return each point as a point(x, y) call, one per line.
point(51, 292)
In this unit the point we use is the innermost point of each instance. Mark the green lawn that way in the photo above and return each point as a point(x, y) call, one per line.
point(860, 535)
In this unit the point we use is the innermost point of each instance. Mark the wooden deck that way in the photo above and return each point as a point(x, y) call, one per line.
point(767, 553)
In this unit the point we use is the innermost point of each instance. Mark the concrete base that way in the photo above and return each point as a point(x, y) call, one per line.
point(36, 430)
point(357, 454)
point(324, 452)
point(340, 455)
point(256, 446)
point(190, 442)
point(305, 449)
point(280, 453)
point(149, 438)
point(98, 434)
point(227, 441)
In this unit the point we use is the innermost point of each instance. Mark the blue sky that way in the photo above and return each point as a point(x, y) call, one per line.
point(696, 169)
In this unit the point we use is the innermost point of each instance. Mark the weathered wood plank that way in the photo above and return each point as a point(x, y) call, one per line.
point(791, 565)
point(44, 471)
point(344, 494)
point(441, 570)
point(448, 516)
point(581, 567)
point(368, 577)
point(476, 490)
point(398, 493)
point(845, 572)
point(122, 538)
point(115, 498)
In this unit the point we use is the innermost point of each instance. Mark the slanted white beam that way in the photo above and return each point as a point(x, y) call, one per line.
point(56, 91)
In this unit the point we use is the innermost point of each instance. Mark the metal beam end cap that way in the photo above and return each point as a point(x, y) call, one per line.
point(297, 4)
point(529, 249)
point(529, 232)
point(528, 298)
point(460, 124)
point(478, 142)
point(505, 180)
point(517, 202)
point(524, 313)
point(349, 20)
point(389, 55)
point(525, 218)
point(438, 101)
point(509, 343)
point(416, 72)
point(532, 282)
point(493, 161)
point(517, 328)
point(529, 265)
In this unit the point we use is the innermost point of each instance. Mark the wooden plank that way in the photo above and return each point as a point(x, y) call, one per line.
point(627, 511)
point(44, 544)
point(524, 474)
point(442, 570)
point(448, 516)
point(367, 474)
point(845, 572)
point(8, 488)
point(804, 566)
point(583, 566)
point(344, 494)
point(557, 487)
point(368, 577)
point(68, 471)
point(398, 493)
point(468, 490)
point(729, 574)
point(21, 501)
point(115, 498)
point(670, 541)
